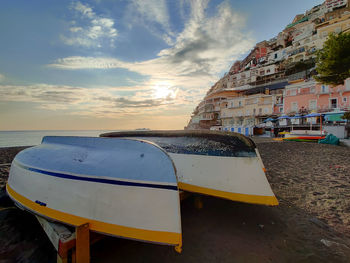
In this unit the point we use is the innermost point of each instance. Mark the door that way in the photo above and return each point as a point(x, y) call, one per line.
point(333, 103)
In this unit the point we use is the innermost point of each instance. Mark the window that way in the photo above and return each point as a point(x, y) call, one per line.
point(232, 104)
point(247, 112)
point(295, 106)
point(260, 110)
point(240, 103)
point(281, 109)
point(312, 90)
point(268, 71)
point(275, 56)
point(324, 89)
point(254, 111)
point(333, 103)
point(312, 104)
point(345, 99)
point(293, 92)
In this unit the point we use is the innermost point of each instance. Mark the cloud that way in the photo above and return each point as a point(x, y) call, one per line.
point(178, 77)
point(153, 11)
point(205, 48)
point(78, 99)
point(77, 62)
point(43, 94)
point(127, 103)
point(93, 30)
point(153, 15)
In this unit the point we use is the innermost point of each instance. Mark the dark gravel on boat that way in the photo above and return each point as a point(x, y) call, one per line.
point(311, 224)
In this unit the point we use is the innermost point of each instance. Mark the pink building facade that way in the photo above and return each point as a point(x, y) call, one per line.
point(310, 96)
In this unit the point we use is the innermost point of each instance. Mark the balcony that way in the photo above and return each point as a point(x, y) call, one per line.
point(251, 102)
point(323, 92)
point(205, 118)
point(235, 107)
point(265, 103)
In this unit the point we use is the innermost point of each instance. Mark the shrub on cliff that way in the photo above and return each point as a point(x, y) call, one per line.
point(333, 61)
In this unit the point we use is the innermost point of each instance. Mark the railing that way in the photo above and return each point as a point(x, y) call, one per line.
point(250, 103)
point(267, 82)
point(235, 107)
point(265, 103)
point(323, 92)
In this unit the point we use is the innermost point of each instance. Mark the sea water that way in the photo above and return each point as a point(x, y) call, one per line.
point(28, 138)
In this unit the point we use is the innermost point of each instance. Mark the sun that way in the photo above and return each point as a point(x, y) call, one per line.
point(163, 91)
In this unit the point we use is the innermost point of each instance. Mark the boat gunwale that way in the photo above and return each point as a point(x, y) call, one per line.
point(181, 133)
point(86, 220)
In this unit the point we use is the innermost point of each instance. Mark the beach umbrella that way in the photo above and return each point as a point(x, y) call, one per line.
point(269, 119)
point(296, 117)
point(312, 115)
point(283, 117)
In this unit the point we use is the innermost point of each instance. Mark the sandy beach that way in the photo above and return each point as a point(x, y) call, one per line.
point(311, 224)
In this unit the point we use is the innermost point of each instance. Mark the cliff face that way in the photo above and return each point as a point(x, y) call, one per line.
point(268, 68)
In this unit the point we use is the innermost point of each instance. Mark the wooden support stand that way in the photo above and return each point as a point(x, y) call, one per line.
point(198, 202)
point(69, 244)
point(184, 195)
point(74, 246)
point(82, 246)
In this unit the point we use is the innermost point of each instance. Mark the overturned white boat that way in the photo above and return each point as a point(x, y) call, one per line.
point(121, 187)
point(226, 165)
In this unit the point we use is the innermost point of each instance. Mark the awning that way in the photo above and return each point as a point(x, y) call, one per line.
point(312, 115)
point(269, 119)
point(334, 117)
point(283, 117)
point(262, 88)
point(296, 117)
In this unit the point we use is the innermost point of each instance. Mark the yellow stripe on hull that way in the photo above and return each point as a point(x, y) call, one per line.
point(246, 198)
point(107, 228)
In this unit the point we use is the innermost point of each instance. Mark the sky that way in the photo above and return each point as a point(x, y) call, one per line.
point(123, 64)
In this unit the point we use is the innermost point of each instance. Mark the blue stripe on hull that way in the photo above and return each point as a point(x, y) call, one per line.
point(96, 180)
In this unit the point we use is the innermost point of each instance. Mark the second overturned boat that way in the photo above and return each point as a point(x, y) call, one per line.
point(226, 165)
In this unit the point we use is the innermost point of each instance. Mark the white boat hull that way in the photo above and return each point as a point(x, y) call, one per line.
point(238, 179)
point(225, 165)
point(124, 206)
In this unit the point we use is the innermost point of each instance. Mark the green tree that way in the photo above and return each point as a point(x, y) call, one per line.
point(333, 61)
point(346, 116)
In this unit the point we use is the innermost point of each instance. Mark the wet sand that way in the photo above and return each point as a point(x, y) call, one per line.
point(311, 224)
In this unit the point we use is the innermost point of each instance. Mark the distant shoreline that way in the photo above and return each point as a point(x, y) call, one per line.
point(34, 137)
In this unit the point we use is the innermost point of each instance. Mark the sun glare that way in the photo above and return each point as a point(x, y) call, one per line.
point(163, 91)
